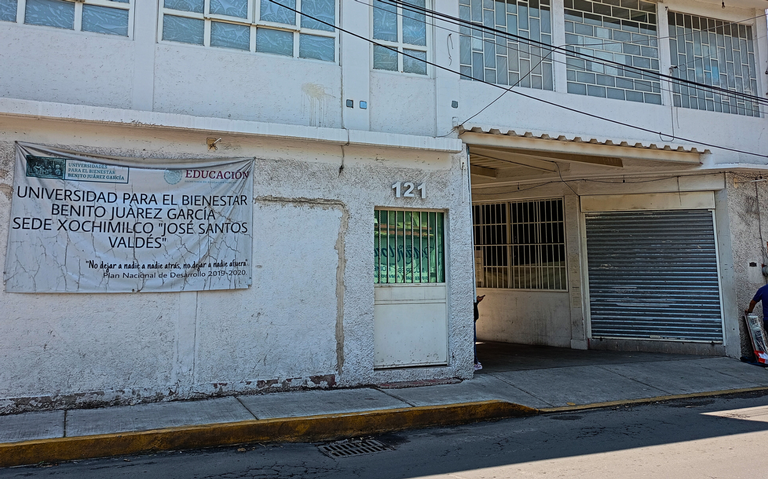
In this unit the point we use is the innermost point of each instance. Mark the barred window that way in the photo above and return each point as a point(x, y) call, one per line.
point(622, 31)
point(253, 25)
point(110, 17)
point(520, 245)
point(498, 58)
point(716, 53)
point(408, 247)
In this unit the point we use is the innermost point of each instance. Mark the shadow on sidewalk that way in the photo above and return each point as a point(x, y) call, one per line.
point(504, 357)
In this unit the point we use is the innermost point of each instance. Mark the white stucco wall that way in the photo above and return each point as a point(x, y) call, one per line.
point(307, 321)
point(50, 64)
point(144, 72)
point(524, 317)
point(215, 82)
point(297, 327)
point(746, 205)
point(403, 104)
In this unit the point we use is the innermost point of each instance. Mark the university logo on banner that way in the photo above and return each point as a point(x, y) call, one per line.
point(82, 224)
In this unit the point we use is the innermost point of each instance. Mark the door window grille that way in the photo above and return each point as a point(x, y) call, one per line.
point(520, 245)
point(408, 247)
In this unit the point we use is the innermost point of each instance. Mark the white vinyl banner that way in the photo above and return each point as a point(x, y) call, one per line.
point(97, 225)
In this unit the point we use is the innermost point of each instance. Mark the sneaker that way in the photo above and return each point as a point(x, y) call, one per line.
point(478, 366)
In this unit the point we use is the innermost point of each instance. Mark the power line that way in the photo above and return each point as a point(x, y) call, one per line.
point(737, 22)
point(541, 100)
point(564, 50)
point(507, 90)
point(703, 87)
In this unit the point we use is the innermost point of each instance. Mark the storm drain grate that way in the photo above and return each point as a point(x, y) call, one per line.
point(353, 447)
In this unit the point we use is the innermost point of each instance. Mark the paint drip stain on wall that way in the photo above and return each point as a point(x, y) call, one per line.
point(315, 103)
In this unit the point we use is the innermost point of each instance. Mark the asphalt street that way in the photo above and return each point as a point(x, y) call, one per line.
point(696, 438)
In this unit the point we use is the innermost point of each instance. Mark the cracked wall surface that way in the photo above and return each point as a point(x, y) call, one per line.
point(747, 226)
point(307, 321)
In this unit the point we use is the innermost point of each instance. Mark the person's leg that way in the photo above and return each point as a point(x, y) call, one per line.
point(474, 344)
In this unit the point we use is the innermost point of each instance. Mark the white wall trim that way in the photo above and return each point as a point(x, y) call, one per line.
point(147, 119)
point(657, 201)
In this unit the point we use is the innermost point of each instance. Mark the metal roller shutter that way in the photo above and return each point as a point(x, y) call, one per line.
point(653, 274)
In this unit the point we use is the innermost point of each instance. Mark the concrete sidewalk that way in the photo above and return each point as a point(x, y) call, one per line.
point(523, 381)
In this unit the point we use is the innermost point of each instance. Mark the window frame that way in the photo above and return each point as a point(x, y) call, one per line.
point(77, 26)
point(523, 52)
point(509, 244)
point(631, 86)
point(675, 89)
point(399, 45)
point(253, 22)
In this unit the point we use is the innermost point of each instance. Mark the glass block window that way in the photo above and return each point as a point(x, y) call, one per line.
point(622, 31)
point(110, 17)
point(408, 247)
point(254, 26)
point(8, 10)
point(716, 53)
point(500, 59)
point(520, 245)
point(403, 30)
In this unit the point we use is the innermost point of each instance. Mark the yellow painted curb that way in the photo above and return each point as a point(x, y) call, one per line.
point(300, 429)
point(624, 402)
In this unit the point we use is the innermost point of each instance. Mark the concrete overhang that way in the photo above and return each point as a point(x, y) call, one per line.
point(171, 121)
point(537, 150)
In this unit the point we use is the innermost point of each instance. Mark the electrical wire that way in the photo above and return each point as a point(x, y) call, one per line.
point(507, 90)
point(737, 22)
point(530, 97)
point(732, 94)
point(565, 50)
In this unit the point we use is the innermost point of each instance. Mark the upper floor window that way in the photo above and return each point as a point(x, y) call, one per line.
point(253, 25)
point(500, 59)
point(111, 17)
point(401, 29)
point(716, 53)
point(621, 31)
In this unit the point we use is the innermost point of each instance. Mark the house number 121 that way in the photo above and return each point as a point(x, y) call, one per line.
point(405, 189)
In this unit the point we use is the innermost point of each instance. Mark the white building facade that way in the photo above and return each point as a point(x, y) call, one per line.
point(367, 142)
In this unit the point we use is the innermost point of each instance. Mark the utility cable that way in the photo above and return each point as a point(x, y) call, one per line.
point(530, 97)
point(704, 87)
point(566, 51)
point(507, 90)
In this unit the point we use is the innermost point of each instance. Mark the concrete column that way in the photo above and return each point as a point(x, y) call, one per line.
point(558, 39)
point(733, 327)
point(573, 258)
point(759, 34)
point(355, 64)
point(145, 40)
point(665, 61)
point(446, 53)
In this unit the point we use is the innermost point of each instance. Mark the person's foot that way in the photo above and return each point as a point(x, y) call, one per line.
point(478, 366)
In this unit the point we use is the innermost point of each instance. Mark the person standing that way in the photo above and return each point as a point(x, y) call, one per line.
point(760, 296)
point(478, 366)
